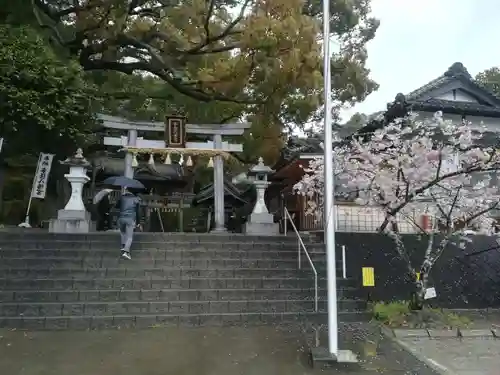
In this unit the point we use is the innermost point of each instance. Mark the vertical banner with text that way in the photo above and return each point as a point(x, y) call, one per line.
point(41, 179)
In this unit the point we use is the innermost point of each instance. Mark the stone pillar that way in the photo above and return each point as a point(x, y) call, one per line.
point(131, 142)
point(261, 222)
point(218, 187)
point(74, 218)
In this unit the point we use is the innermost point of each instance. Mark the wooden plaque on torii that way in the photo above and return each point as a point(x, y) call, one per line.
point(175, 131)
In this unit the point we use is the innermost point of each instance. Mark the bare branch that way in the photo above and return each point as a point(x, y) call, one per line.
point(401, 248)
point(480, 213)
point(430, 242)
point(151, 59)
point(440, 164)
point(452, 207)
point(436, 201)
point(206, 26)
point(226, 32)
point(414, 222)
point(225, 48)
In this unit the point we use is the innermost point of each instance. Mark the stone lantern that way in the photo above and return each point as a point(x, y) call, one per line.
point(74, 218)
point(261, 221)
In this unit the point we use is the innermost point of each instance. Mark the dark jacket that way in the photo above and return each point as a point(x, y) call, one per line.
point(129, 206)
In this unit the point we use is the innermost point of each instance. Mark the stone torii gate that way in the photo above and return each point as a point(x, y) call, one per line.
point(215, 130)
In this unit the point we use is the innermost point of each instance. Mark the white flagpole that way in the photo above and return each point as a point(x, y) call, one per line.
point(26, 223)
point(329, 201)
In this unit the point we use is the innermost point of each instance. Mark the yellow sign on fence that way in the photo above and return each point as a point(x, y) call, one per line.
point(418, 275)
point(368, 276)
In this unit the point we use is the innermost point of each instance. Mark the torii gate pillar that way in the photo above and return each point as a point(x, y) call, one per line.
point(219, 188)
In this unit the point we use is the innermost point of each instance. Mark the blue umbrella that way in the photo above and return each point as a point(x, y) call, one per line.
point(122, 181)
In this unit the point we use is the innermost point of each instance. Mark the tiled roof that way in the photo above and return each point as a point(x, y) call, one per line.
point(454, 72)
point(297, 146)
point(418, 100)
point(450, 106)
point(231, 192)
point(488, 104)
point(305, 145)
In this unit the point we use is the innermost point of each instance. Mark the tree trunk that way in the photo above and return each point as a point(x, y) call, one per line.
point(417, 295)
point(421, 285)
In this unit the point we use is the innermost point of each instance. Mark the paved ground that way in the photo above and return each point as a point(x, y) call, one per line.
point(481, 318)
point(196, 351)
point(469, 356)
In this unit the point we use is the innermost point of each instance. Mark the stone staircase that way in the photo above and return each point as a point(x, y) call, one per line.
point(79, 282)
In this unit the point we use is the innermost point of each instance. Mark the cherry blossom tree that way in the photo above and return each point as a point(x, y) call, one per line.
point(415, 167)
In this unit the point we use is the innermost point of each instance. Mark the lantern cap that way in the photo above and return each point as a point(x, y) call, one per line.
point(260, 169)
point(77, 160)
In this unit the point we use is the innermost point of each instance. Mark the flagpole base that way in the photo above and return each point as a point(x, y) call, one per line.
point(25, 223)
point(322, 356)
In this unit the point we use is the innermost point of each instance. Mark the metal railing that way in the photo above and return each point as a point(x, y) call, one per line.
point(302, 247)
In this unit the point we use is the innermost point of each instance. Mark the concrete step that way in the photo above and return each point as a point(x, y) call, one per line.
point(52, 281)
point(167, 272)
point(116, 262)
point(157, 253)
point(42, 309)
point(160, 320)
point(154, 282)
point(28, 243)
point(41, 235)
point(114, 295)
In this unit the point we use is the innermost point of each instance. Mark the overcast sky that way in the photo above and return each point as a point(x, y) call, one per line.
point(418, 40)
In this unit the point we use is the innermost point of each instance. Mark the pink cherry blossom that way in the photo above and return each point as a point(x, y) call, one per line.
point(430, 166)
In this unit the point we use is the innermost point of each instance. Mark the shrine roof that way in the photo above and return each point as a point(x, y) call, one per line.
point(295, 147)
point(206, 194)
point(116, 167)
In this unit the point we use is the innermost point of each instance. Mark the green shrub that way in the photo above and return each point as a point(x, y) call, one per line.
point(398, 314)
point(391, 313)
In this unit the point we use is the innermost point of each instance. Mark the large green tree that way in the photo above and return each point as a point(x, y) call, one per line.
point(146, 97)
point(44, 102)
point(262, 54)
point(45, 106)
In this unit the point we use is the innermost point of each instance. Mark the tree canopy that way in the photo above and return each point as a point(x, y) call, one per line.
point(215, 60)
point(490, 79)
point(263, 54)
point(44, 102)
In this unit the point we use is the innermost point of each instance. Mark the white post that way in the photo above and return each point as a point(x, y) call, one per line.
point(218, 187)
point(131, 142)
point(329, 201)
point(344, 267)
